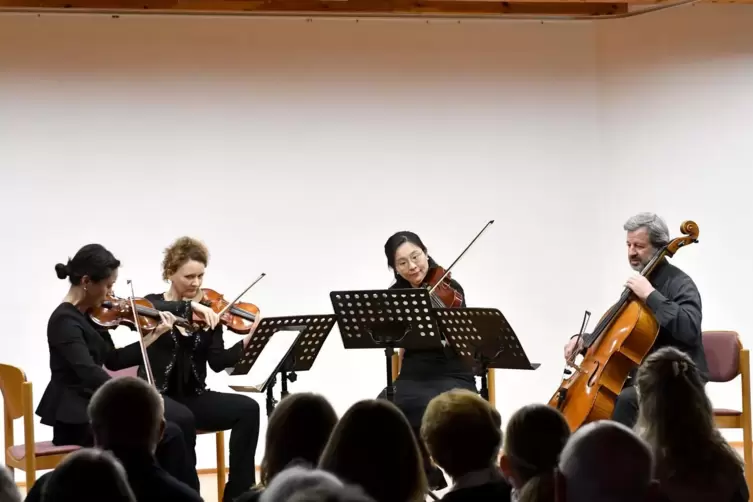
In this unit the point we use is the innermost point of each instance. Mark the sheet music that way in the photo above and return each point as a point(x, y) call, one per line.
point(277, 347)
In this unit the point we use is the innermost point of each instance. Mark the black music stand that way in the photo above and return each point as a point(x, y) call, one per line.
point(386, 319)
point(483, 339)
point(300, 356)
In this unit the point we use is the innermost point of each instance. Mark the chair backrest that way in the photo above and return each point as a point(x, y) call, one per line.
point(722, 350)
point(12, 381)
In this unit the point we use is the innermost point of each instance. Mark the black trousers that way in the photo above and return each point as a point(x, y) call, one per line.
point(172, 452)
point(626, 407)
point(216, 411)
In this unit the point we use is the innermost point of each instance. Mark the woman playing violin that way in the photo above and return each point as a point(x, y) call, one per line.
point(179, 363)
point(424, 374)
point(80, 350)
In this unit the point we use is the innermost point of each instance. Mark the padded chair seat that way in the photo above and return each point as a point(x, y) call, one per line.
point(723, 412)
point(42, 449)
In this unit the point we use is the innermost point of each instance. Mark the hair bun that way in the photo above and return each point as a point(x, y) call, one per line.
point(61, 270)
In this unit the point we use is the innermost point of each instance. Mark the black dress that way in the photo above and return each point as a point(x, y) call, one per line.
point(425, 374)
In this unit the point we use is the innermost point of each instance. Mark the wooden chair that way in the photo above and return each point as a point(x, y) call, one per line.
point(30, 456)
point(726, 360)
point(490, 381)
point(219, 438)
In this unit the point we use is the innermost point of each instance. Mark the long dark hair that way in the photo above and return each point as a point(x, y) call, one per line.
point(92, 260)
point(390, 248)
point(298, 431)
point(676, 419)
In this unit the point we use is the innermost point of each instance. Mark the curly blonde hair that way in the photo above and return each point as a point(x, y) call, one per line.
point(182, 251)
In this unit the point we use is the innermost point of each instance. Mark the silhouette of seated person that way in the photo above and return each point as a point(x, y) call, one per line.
point(126, 415)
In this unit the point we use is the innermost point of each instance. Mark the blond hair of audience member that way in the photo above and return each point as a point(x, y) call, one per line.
point(88, 475)
point(693, 460)
point(373, 446)
point(534, 438)
point(462, 432)
point(605, 461)
point(8, 490)
point(127, 413)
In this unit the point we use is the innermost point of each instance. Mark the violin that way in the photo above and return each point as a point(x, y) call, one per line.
point(239, 317)
point(116, 311)
point(437, 281)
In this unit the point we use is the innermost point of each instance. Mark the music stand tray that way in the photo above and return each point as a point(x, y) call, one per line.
point(313, 331)
point(484, 339)
point(386, 319)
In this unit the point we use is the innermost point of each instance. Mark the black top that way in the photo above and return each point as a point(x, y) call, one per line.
point(148, 481)
point(676, 304)
point(179, 363)
point(499, 491)
point(432, 364)
point(78, 350)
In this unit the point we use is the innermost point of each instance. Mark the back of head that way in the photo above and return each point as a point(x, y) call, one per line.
point(373, 446)
point(462, 432)
point(92, 260)
point(298, 430)
point(88, 475)
point(677, 420)
point(126, 413)
point(350, 493)
point(534, 439)
point(8, 490)
point(606, 462)
point(296, 479)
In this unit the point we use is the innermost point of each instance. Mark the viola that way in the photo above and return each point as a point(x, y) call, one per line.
point(116, 311)
point(438, 282)
point(239, 317)
point(619, 343)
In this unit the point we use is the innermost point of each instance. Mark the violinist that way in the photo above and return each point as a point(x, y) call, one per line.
point(669, 293)
point(179, 363)
point(79, 348)
point(424, 374)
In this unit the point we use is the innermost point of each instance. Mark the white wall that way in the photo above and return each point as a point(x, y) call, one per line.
point(296, 148)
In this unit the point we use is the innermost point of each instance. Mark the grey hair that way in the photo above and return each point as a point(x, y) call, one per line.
point(658, 232)
point(295, 479)
point(8, 490)
point(605, 461)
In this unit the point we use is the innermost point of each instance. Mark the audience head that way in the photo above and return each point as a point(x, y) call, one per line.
point(8, 490)
point(298, 430)
point(676, 419)
point(296, 479)
point(373, 446)
point(534, 438)
point(462, 432)
point(349, 493)
point(605, 462)
point(88, 475)
point(127, 413)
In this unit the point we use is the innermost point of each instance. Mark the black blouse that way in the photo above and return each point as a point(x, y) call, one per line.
point(179, 363)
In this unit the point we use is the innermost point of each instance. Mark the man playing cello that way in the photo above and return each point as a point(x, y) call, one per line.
point(670, 294)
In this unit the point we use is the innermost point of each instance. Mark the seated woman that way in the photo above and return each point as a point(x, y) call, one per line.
point(374, 447)
point(424, 374)
point(694, 463)
point(462, 432)
point(534, 438)
point(297, 432)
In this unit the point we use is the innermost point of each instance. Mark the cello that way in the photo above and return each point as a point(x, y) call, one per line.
point(620, 342)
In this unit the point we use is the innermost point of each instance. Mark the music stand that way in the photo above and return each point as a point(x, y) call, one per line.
point(386, 319)
point(483, 339)
point(300, 356)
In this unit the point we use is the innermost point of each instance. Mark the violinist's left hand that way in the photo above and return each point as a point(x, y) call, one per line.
point(166, 325)
point(640, 286)
point(206, 313)
point(250, 334)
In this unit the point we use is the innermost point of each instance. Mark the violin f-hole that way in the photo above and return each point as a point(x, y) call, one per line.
point(592, 378)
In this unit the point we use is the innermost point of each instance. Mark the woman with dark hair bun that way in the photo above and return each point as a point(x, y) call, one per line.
point(424, 374)
point(78, 351)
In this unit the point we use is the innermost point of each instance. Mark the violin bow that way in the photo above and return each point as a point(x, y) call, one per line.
point(447, 272)
point(230, 304)
point(144, 354)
